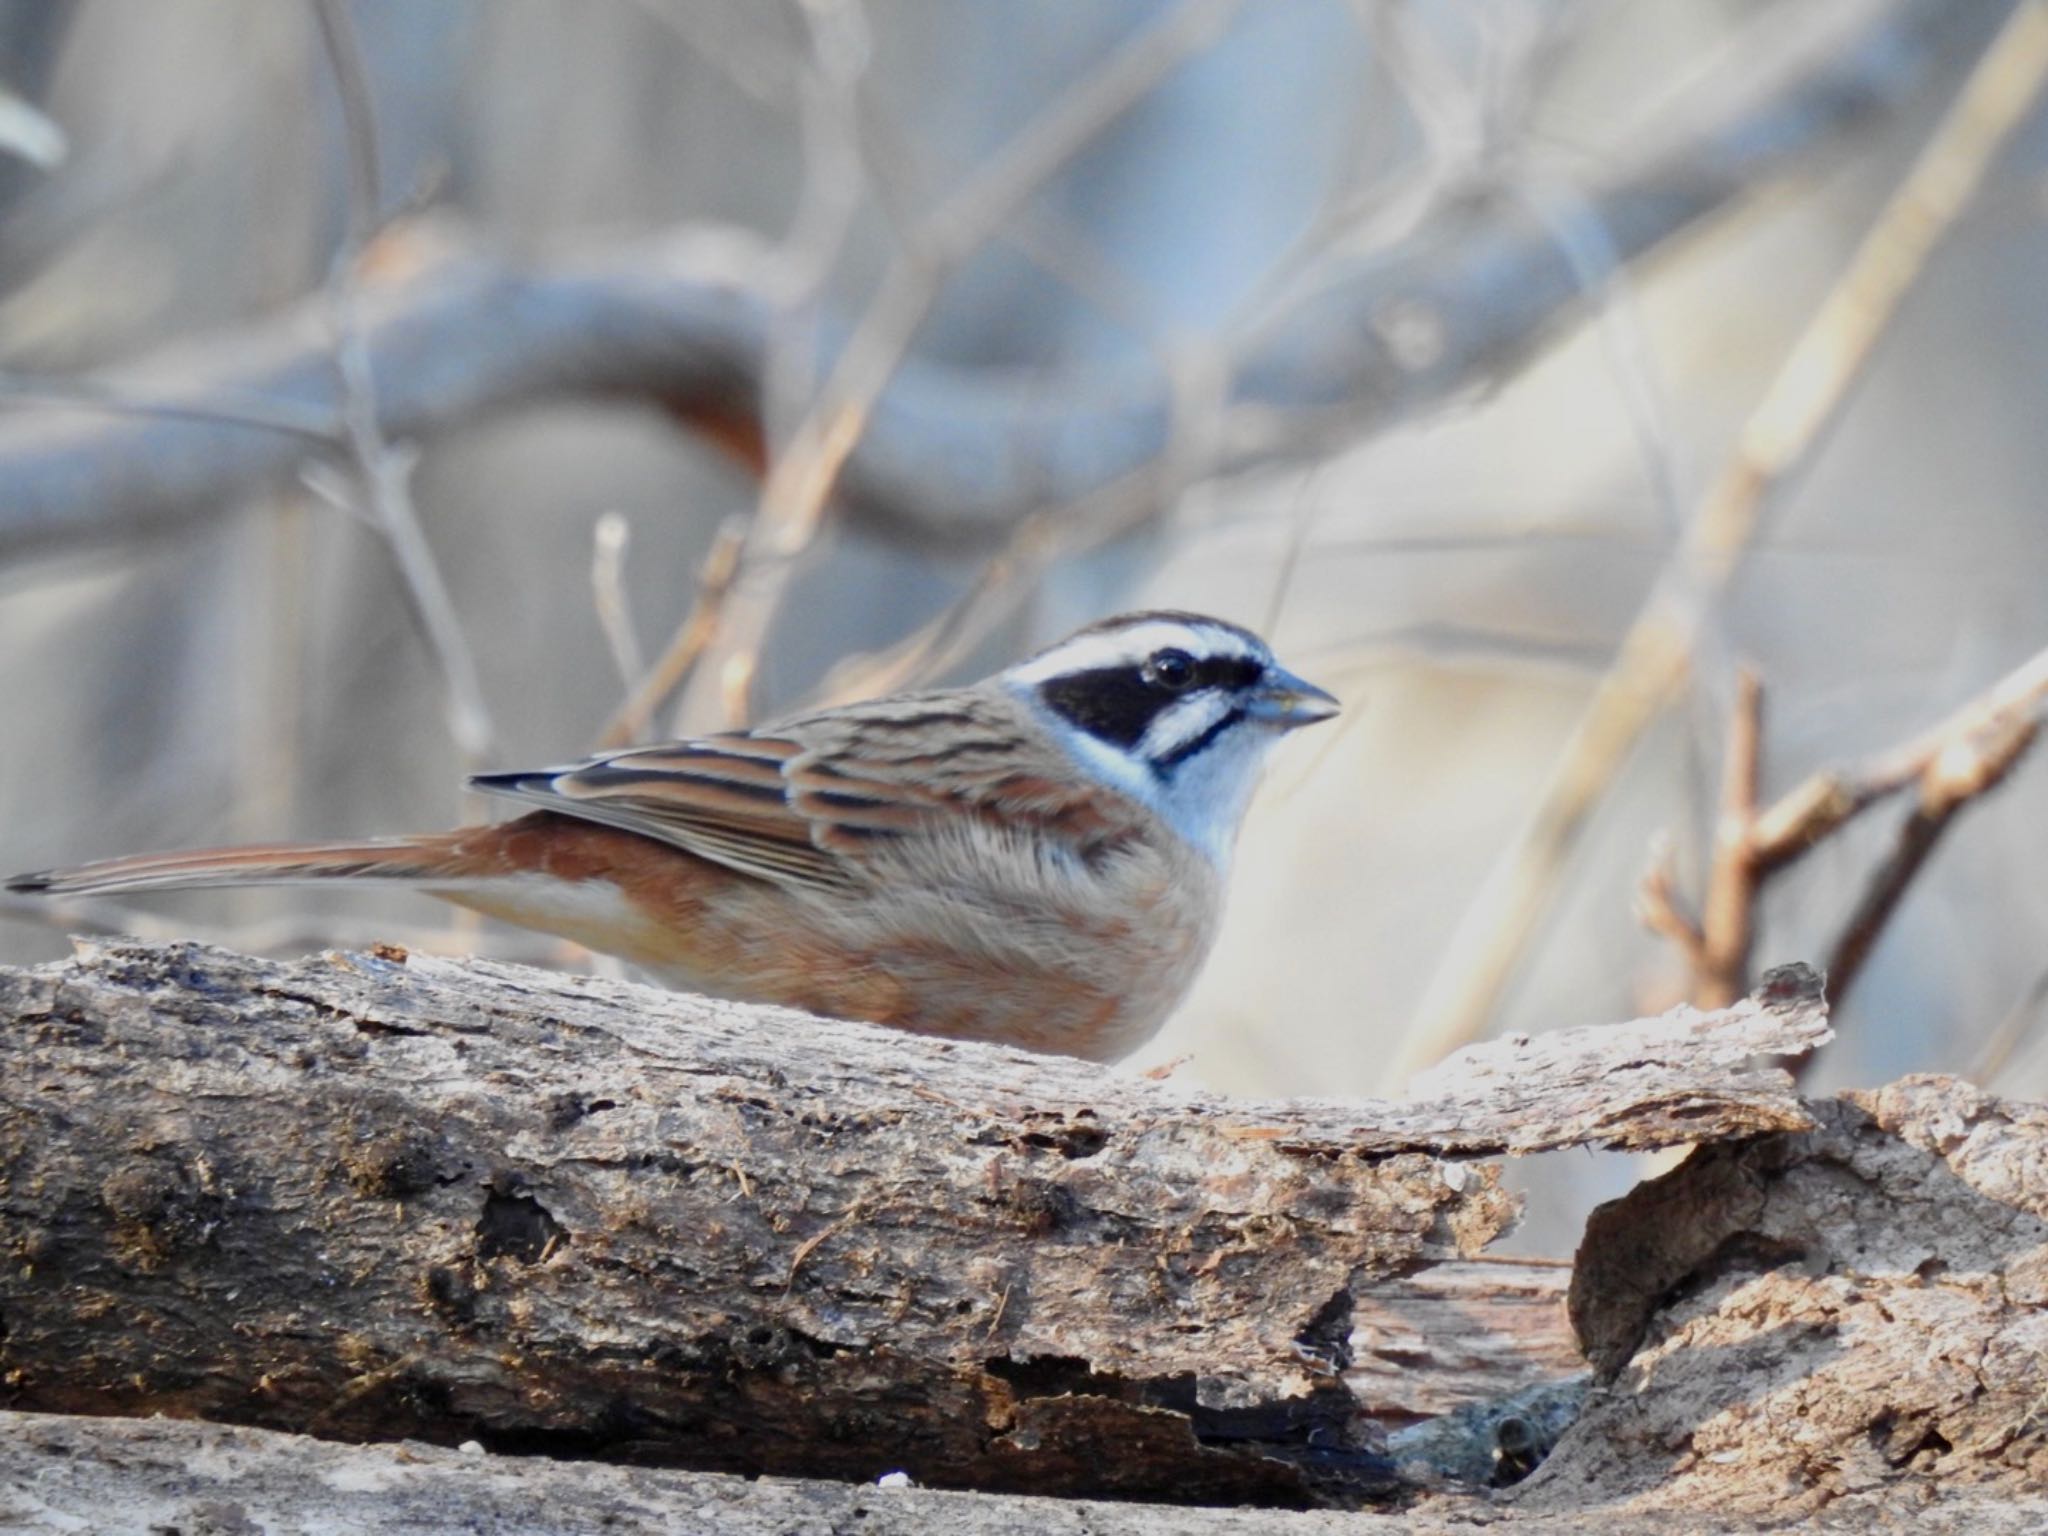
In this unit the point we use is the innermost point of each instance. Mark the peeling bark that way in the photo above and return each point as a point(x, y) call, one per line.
point(371, 1197)
point(1791, 1324)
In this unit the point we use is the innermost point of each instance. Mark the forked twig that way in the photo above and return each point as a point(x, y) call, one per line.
point(1957, 762)
point(1804, 399)
point(1825, 800)
point(1970, 766)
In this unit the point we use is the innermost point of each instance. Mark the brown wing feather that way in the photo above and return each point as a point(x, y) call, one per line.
point(809, 800)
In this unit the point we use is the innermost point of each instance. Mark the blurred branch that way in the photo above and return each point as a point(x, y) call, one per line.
point(1969, 767)
point(806, 471)
point(1654, 659)
point(385, 469)
point(1824, 801)
point(1717, 945)
point(609, 540)
point(959, 454)
point(316, 425)
point(2020, 1020)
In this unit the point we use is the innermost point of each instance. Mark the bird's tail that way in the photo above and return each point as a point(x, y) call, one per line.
point(391, 860)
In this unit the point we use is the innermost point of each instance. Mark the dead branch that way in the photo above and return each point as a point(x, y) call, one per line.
point(1952, 765)
point(390, 1196)
point(1825, 801)
point(944, 452)
point(1655, 656)
point(383, 469)
point(1971, 767)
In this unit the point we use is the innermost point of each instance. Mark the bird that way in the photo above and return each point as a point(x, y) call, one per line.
point(1037, 859)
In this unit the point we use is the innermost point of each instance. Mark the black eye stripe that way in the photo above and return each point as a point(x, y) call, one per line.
point(1115, 704)
point(1227, 672)
point(1118, 704)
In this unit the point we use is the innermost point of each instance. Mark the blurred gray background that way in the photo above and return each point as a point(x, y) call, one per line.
point(1460, 566)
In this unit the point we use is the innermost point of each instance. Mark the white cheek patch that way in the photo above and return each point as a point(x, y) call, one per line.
point(1176, 726)
point(1111, 764)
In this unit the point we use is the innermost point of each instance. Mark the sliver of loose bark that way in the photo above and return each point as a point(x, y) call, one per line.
point(376, 1196)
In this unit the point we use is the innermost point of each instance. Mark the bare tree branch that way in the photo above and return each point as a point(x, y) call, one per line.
point(383, 468)
point(949, 452)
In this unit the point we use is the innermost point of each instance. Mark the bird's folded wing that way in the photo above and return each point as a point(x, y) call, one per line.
point(757, 804)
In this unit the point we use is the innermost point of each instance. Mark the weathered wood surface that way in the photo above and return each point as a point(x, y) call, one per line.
point(1459, 1333)
point(371, 1197)
point(1790, 1324)
point(125, 1477)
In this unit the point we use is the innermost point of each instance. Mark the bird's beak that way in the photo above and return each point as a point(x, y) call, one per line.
point(1287, 701)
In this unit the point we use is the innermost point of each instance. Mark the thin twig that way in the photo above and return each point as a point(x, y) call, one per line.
point(609, 539)
point(1804, 399)
point(225, 408)
point(635, 717)
point(801, 482)
point(2004, 1042)
point(1728, 915)
point(385, 469)
point(358, 119)
point(998, 589)
point(1825, 800)
point(1661, 910)
point(1966, 756)
point(1968, 768)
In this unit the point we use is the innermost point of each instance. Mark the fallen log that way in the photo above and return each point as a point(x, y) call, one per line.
point(372, 1196)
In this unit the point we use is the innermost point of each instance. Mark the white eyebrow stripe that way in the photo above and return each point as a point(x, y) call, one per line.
point(1129, 647)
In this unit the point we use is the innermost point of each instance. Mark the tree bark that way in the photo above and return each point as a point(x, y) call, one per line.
point(1789, 1324)
point(368, 1196)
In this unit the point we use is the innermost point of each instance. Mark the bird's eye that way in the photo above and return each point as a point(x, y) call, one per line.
point(1172, 671)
